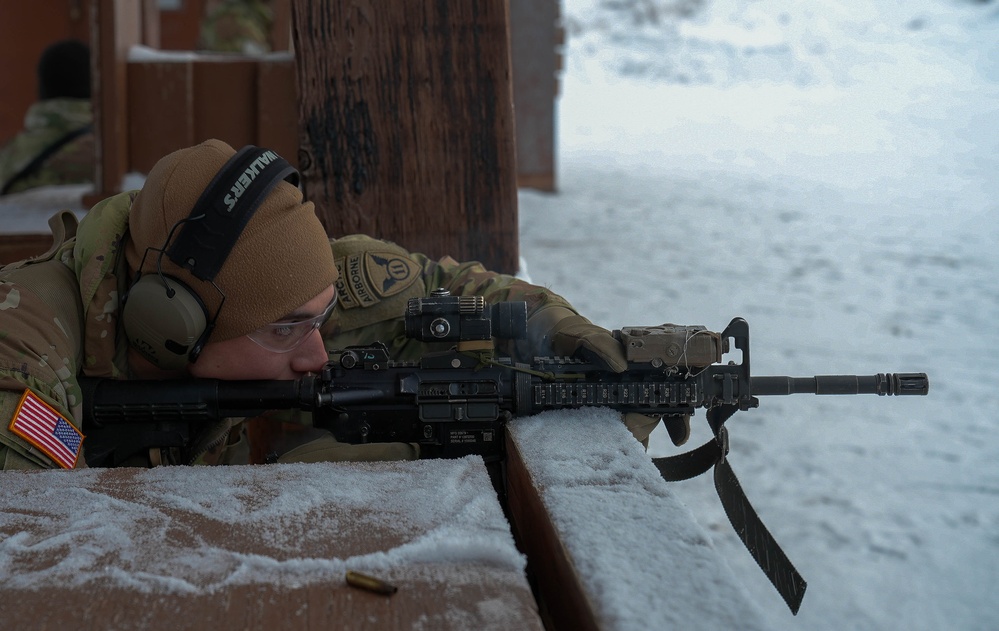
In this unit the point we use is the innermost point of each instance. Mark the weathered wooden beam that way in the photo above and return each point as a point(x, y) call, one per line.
point(153, 88)
point(277, 106)
point(535, 44)
point(117, 26)
point(261, 547)
point(562, 598)
point(406, 122)
point(177, 100)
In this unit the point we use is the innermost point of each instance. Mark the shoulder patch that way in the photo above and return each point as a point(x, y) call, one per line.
point(36, 422)
point(367, 278)
point(377, 279)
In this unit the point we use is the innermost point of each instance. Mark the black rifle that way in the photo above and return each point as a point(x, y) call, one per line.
point(456, 402)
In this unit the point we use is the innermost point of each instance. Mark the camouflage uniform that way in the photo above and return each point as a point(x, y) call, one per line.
point(59, 318)
point(45, 124)
point(237, 26)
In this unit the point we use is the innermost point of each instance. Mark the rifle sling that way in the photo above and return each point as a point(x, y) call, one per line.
point(690, 464)
point(761, 544)
point(747, 524)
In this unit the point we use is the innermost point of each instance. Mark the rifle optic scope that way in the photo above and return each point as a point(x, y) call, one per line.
point(442, 317)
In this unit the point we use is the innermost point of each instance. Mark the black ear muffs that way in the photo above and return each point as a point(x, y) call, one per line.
point(163, 318)
point(165, 321)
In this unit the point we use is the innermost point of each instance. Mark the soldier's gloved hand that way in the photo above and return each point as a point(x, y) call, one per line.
point(678, 428)
point(575, 335)
point(640, 426)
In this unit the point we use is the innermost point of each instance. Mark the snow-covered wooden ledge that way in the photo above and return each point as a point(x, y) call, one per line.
point(610, 546)
point(260, 547)
point(267, 547)
point(24, 216)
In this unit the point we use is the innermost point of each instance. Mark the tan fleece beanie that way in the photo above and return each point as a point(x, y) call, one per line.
point(281, 260)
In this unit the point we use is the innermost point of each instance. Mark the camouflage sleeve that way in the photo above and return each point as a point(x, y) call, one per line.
point(46, 123)
point(472, 279)
point(14, 156)
point(544, 307)
point(377, 279)
point(40, 352)
point(237, 26)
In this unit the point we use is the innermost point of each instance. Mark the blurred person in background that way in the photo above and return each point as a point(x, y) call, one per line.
point(56, 145)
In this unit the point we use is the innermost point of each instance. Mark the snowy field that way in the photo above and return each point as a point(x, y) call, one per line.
point(827, 171)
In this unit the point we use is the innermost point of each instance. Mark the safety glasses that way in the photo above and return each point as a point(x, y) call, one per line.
point(287, 335)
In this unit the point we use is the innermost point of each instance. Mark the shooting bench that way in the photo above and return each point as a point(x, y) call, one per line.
point(608, 544)
point(260, 548)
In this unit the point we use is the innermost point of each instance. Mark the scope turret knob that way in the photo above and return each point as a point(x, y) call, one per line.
point(440, 327)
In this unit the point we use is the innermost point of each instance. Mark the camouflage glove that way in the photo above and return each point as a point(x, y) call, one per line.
point(641, 426)
point(570, 334)
point(678, 428)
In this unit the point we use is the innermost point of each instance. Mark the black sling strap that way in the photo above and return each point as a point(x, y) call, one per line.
point(747, 524)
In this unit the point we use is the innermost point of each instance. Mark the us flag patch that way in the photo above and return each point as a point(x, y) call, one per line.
point(36, 422)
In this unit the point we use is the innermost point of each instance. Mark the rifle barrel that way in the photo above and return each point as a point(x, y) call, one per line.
point(882, 384)
point(109, 401)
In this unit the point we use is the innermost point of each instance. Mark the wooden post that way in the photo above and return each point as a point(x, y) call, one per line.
point(536, 41)
point(116, 27)
point(277, 105)
point(406, 120)
point(153, 88)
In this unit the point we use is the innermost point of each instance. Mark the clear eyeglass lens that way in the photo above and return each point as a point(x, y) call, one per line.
point(282, 337)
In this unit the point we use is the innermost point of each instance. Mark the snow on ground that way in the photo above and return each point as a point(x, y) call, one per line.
point(28, 212)
point(825, 170)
